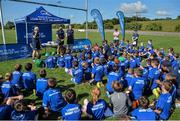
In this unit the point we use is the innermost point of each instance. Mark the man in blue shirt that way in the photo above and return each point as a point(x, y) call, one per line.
point(70, 35)
point(41, 83)
point(29, 78)
point(53, 100)
point(72, 111)
point(143, 112)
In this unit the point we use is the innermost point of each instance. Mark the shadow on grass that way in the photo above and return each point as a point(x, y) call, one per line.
point(81, 96)
point(65, 87)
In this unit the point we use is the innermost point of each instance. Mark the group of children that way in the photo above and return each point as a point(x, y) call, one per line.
point(133, 74)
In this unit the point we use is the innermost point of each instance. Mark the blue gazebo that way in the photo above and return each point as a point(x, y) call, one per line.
point(41, 18)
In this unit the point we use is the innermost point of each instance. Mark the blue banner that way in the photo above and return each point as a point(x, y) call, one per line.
point(14, 51)
point(120, 15)
point(79, 44)
point(99, 21)
point(44, 29)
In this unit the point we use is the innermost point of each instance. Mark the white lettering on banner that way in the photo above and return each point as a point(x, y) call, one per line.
point(21, 50)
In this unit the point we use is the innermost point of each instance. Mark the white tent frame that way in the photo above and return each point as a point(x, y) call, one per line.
point(45, 4)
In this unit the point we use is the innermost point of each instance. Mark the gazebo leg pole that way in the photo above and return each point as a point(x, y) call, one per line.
point(2, 23)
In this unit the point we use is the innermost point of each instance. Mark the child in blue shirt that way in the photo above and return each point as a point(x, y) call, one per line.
point(60, 60)
point(7, 88)
point(51, 62)
point(41, 83)
point(77, 73)
point(136, 87)
point(72, 111)
point(164, 102)
point(89, 60)
point(129, 76)
point(87, 72)
point(53, 100)
point(110, 63)
point(132, 62)
point(17, 76)
point(97, 109)
point(29, 78)
point(68, 58)
point(112, 76)
point(154, 75)
point(20, 111)
point(175, 62)
point(97, 70)
point(143, 112)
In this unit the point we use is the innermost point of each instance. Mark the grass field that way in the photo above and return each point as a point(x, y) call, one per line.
point(83, 90)
point(167, 25)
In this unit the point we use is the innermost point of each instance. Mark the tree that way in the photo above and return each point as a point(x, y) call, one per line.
point(178, 17)
point(9, 25)
point(177, 28)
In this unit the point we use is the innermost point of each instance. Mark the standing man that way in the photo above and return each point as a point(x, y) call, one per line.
point(36, 45)
point(116, 36)
point(60, 39)
point(70, 36)
point(135, 38)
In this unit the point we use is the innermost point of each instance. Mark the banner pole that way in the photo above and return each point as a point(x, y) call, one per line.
point(86, 19)
point(2, 23)
point(26, 33)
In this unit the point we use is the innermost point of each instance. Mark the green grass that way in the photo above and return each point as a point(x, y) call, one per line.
point(167, 25)
point(84, 90)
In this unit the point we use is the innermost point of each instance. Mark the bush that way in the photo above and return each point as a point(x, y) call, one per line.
point(153, 27)
point(177, 28)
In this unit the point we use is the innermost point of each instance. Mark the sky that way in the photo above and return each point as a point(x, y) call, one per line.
point(108, 8)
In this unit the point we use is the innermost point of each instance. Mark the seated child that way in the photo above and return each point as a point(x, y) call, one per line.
point(143, 112)
point(29, 78)
point(17, 76)
point(7, 88)
point(129, 76)
point(60, 60)
point(154, 75)
point(53, 101)
point(97, 71)
point(51, 61)
point(68, 58)
point(41, 83)
point(164, 102)
point(20, 111)
point(87, 72)
point(98, 107)
point(7, 107)
point(77, 73)
point(136, 87)
point(72, 111)
point(119, 100)
point(39, 63)
point(112, 76)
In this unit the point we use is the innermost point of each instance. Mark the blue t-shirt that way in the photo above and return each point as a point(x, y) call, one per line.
point(5, 112)
point(60, 33)
point(154, 74)
point(60, 61)
point(7, 89)
point(68, 61)
point(77, 75)
point(164, 104)
point(112, 76)
point(144, 114)
point(175, 64)
point(50, 62)
point(132, 63)
point(41, 86)
point(17, 78)
point(89, 61)
point(97, 111)
point(53, 99)
point(87, 73)
point(98, 72)
point(23, 115)
point(128, 78)
point(137, 85)
point(29, 79)
point(71, 112)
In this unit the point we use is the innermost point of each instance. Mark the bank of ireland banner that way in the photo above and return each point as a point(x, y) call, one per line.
point(120, 15)
point(99, 21)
